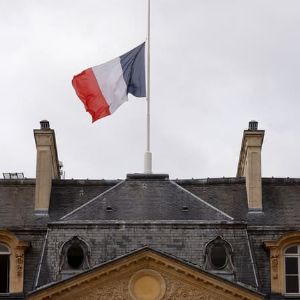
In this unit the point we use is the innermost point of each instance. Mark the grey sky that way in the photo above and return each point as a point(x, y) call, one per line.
point(215, 66)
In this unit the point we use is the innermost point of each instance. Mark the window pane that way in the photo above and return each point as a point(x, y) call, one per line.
point(4, 273)
point(292, 284)
point(75, 256)
point(218, 256)
point(291, 265)
point(4, 249)
point(293, 249)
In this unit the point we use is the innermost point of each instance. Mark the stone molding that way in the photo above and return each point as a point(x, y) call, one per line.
point(112, 281)
point(147, 283)
point(75, 240)
point(228, 267)
point(17, 249)
point(277, 248)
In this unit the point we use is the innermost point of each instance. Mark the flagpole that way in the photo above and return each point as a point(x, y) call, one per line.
point(148, 154)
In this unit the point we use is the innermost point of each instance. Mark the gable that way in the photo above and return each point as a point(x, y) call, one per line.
point(145, 275)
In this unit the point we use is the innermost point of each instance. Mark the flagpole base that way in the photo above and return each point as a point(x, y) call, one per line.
point(148, 163)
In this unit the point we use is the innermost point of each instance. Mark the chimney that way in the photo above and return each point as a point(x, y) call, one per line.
point(250, 164)
point(47, 165)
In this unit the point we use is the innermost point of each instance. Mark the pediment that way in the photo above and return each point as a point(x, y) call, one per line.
point(145, 275)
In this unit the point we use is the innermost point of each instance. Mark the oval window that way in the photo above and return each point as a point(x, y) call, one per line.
point(75, 256)
point(218, 256)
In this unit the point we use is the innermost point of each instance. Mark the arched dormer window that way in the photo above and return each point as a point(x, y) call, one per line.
point(218, 258)
point(4, 268)
point(292, 270)
point(74, 257)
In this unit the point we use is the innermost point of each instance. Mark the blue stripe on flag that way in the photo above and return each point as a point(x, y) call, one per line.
point(133, 66)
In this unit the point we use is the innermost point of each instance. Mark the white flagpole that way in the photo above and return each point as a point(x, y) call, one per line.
point(148, 154)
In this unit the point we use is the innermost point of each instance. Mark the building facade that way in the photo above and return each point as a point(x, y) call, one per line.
point(148, 237)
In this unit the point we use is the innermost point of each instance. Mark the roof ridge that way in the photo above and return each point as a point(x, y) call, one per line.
point(91, 201)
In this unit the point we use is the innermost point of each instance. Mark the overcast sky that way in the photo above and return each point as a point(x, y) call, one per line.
point(215, 65)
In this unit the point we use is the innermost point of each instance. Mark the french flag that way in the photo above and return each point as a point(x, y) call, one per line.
point(103, 88)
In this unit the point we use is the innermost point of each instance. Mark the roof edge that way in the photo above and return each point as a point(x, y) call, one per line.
point(203, 201)
point(206, 223)
point(92, 200)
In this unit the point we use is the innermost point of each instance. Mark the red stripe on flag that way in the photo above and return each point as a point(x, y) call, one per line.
point(89, 92)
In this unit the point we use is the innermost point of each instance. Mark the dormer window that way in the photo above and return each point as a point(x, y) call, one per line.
point(218, 258)
point(4, 268)
point(74, 257)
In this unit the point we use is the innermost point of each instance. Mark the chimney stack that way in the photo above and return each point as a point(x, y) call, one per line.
point(47, 165)
point(250, 164)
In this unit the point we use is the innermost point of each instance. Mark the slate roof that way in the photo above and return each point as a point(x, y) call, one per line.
point(17, 204)
point(280, 198)
point(153, 198)
point(141, 197)
point(17, 200)
point(185, 240)
point(67, 195)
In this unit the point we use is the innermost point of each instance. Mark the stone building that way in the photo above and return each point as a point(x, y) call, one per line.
point(148, 237)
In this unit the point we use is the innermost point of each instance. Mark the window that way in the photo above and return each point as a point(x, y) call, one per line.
point(292, 268)
point(284, 254)
point(218, 258)
point(4, 268)
point(74, 257)
point(12, 257)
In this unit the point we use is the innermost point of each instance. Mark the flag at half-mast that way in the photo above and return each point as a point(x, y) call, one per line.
point(103, 88)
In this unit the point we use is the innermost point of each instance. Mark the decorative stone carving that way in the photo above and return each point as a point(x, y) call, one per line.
point(188, 294)
point(115, 290)
point(147, 284)
point(174, 290)
point(177, 291)
point(19, 263)
point(274, 264)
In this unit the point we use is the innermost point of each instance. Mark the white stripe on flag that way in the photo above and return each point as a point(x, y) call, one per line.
point(111, 82)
